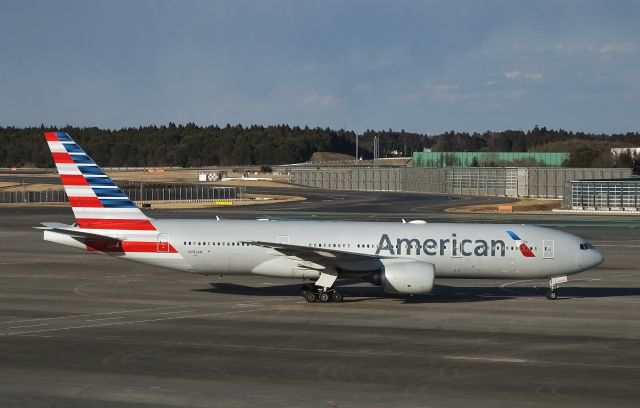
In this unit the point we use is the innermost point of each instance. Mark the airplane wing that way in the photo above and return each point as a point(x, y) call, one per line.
point(328, 257)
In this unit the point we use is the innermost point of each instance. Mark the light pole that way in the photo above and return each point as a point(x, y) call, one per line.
point(357, 149)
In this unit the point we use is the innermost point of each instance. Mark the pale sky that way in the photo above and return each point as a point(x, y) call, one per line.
point(425, 66)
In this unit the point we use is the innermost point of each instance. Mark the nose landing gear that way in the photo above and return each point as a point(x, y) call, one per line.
point(553, 285)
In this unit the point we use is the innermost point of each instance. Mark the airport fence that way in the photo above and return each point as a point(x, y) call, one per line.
point(177, 193)
point(537, 182)
point(610, 195)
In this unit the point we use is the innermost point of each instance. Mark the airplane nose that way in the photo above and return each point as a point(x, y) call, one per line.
point(589, 259)
point(598, 258)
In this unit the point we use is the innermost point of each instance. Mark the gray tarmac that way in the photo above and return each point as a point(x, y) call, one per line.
point(80, 330)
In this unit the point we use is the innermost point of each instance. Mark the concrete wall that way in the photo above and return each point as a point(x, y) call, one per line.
point(545, 182)
point(542, 182)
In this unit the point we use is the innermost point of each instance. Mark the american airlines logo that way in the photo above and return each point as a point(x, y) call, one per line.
point(453, 246)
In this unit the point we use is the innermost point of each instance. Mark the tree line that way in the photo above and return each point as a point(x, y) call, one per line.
point(191, 145)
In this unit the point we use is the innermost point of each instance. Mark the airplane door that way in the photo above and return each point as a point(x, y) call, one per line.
point(163, 242)
point(547, 249)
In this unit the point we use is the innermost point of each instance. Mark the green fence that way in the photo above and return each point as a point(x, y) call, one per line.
point(488, 159)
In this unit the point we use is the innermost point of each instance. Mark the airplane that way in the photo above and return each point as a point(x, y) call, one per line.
point(401, 257)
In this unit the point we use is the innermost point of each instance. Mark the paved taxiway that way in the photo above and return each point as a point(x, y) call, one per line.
point(84, 330)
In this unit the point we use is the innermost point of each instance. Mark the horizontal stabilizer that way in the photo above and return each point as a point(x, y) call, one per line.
point(75, 233)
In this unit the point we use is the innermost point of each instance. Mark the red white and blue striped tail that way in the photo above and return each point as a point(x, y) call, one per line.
point(96, 201)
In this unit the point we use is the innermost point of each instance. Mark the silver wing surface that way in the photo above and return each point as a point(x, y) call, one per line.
point(328, 257)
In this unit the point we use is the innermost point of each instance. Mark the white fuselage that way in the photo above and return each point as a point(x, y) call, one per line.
point(456, 250)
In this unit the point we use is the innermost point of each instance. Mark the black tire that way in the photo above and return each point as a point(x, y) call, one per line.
point(337, 297)
point(324, 297)
point(552, 295)
point(310, 296)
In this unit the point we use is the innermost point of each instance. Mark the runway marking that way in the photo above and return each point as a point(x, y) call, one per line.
point(503, 286)
point(365, 352)
point(105, 318)
point(26, 325)
point(95, 314)
point(494, 359)
point(178, 311)
point(132, 322)
point(539, 362)
point(50, 276)
point(76, 290)
point(39, 336)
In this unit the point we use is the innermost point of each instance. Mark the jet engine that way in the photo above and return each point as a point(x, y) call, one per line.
point(405, 277)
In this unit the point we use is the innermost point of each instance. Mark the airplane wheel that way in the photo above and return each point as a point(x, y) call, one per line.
point(324, 297)
point(552, 295)
point(310, 296)
point(337, 297)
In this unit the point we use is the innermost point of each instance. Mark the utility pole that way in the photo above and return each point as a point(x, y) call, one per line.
point(376, 151)
point(356, 149)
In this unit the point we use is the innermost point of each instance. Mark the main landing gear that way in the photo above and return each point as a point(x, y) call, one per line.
point(553, 285)
point(324, 295)
point(322, 289)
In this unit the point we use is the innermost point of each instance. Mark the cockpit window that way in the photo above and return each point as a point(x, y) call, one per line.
point(585, 245)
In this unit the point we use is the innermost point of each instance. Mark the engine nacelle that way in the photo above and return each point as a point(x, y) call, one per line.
point(411, 277)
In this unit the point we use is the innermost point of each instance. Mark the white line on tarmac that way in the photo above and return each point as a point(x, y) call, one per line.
point(96, 314)
point(105, 318)
point(494, 360)
point(539, 362)
point(133, 322)
point(27, 325)
point(504, 286)
point(178, 311)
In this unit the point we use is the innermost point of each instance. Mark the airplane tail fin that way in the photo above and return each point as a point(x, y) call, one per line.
point(96, 201)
